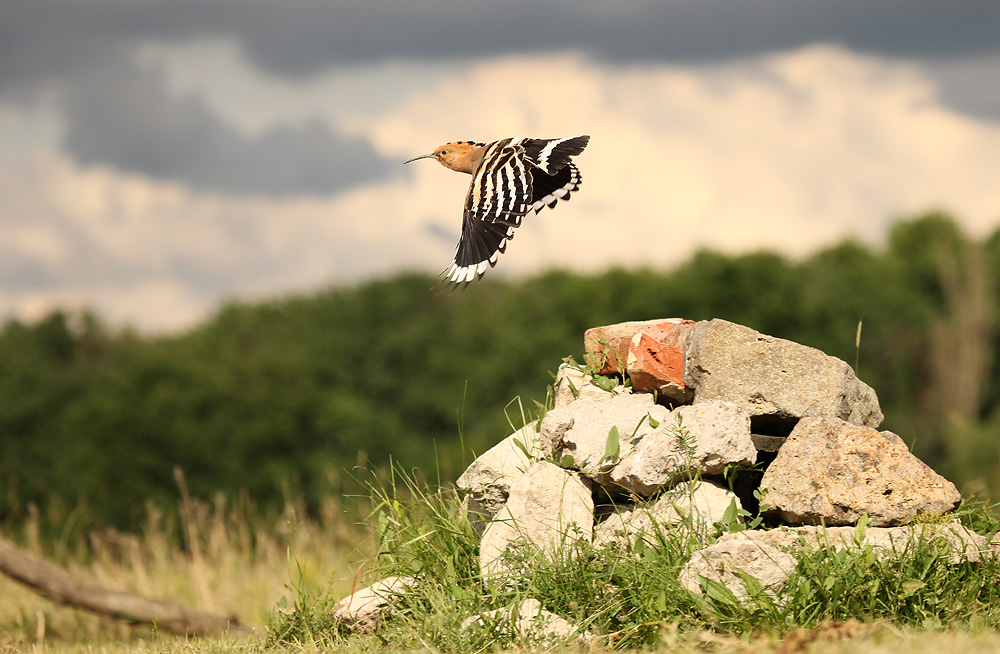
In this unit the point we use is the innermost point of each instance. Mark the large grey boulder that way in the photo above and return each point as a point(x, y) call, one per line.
point(548, 509)
point(704, 438)
point(831, 471)
point(777, 381)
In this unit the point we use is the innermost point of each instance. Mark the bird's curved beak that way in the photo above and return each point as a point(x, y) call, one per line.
point(423, 156)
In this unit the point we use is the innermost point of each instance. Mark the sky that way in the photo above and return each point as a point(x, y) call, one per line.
point(158, 157)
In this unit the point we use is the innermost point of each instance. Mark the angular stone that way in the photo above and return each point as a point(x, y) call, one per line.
point(607, 347)
point(530, 623)
point(548, 508)
point(657, 367)
point(697, 506)
point(723, 562)
point(573, 383)
point(362, 610)
point(487, 481)
point(766, 554)
point(775, 380)
point(581, 430)
point(706, 437)
point(767, 443)
point(833, 472)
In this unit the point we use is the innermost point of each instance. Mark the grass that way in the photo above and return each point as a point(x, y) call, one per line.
point(282, 572)
point(629, 597)
point(228, 558)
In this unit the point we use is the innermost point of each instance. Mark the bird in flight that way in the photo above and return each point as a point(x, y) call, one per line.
point(511, 178)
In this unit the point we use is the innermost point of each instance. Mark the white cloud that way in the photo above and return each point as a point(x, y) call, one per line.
point(789, 152)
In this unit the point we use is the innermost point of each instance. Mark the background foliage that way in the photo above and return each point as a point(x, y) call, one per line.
point(293, 392)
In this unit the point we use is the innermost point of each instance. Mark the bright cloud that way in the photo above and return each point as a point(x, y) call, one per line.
point(788, 152)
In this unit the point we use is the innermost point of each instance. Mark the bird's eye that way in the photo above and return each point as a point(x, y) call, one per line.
point(444, 152)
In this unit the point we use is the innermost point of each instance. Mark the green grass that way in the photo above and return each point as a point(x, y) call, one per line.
point(629, 597)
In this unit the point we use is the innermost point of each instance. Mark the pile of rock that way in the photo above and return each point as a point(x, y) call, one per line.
point(704, 401)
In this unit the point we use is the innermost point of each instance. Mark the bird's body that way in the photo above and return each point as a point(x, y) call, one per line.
point(510, 178)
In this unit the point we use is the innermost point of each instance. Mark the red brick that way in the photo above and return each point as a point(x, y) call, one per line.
point(607, 347)
point(656, 366)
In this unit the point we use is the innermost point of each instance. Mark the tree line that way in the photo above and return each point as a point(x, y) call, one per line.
point(293, 394)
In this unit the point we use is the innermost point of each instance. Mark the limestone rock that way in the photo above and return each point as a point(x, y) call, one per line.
point(706, 437)
point(548, 507)
point(581, 430)
point(697, 506)
point(607, 347)
point(362, 610)
point(767, 554)
point(723, 562)
point(572, 383)
point(832, 471)
point(657, 367)
point(531, 623)
point(487, 481)
point(775, 380)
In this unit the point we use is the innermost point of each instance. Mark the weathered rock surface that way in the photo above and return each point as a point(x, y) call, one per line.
point(607, 347)
point(581, 429)
point(573, 383)
point(548, 507)
point(775, 380)
point(697, 506)
point(362, 610)
point(657, 367)
point(723, 561)
point(706, 437)
point(488, 480)
point(832, 471)
point(529, 622)
point(767, 555)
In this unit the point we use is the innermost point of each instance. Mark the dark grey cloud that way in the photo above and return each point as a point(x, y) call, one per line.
point(301, 37)
point(120, 116)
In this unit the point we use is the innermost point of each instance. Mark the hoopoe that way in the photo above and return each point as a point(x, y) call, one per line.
point(510, 178)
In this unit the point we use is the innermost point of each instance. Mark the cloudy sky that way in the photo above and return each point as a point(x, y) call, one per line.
point(158, 156)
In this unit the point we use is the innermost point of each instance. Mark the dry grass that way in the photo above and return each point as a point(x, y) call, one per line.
point(219, 557)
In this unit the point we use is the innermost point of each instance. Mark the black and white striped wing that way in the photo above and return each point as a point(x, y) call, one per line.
point(547, 190)
point(550, 155)
point(499, 197)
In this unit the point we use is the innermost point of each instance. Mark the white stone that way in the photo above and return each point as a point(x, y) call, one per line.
point(696, 506)
point(723, 561)
point(706, 438)
point(362, 610)
point(487, 481)
point(548, 509)
point(530, 623)
point(764, 554)
point(581, 430)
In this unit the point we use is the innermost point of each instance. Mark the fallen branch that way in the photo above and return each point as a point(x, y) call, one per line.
point(57, 585)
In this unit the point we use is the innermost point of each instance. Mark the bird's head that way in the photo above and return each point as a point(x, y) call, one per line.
point(454, 155)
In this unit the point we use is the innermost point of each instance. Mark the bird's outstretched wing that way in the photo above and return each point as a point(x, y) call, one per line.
point(550, 155)
point(516, 177)
point(499, 197)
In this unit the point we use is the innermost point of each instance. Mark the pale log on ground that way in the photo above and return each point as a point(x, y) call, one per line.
point(57, 585)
